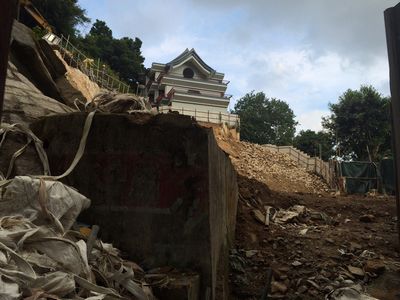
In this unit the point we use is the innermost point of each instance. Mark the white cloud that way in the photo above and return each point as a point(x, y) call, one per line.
point(311, 120)
point(306, 52)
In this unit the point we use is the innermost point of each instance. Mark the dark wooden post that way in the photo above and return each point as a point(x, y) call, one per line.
point(7, 14)
point(392, 24)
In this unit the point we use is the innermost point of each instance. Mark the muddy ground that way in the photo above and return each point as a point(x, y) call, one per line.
point(340, 241)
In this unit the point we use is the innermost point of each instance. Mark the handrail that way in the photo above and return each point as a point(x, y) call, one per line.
point(207, 116)
point(94, 71)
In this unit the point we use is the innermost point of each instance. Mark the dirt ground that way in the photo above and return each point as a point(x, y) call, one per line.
point(310, 266)
point(337, 242)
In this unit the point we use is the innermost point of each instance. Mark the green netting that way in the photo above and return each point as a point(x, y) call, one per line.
point(361, 177)
point(358, 169)
point(387, 174)
point(360, 186)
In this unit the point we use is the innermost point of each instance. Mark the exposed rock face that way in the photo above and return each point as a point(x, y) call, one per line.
point(25, 55)
point(46, 69)
point(53, 63)
point(75, 84)
point(24, 103)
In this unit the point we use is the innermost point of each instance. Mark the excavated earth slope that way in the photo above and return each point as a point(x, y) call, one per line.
point(319, 246)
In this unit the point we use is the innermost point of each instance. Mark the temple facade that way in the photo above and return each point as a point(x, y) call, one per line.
point(188, 85)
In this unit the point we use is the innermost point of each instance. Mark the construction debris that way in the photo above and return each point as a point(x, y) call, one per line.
point(117, 103)
point(277, 170)
point(42, 257)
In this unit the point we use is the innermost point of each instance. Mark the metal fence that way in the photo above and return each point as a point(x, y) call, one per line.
point(96, 70)
point(207, 116)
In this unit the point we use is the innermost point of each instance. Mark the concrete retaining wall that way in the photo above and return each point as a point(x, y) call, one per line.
point(161, 189)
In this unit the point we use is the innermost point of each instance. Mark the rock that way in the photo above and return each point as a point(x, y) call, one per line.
point(54, 64)
point(331, 241)
point(75, 84)
point(367, 218)
point(328, 288)
point(302, 289)
point(296, 263)
point(355, 246)
point(278, 287)
point(374, 266)
point(314, 284)
point(26, 56)
point(24, 103)
point(251, 253)
point(259, 216)
point(356, 271)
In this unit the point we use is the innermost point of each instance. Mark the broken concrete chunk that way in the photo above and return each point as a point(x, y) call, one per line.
point(356, 271)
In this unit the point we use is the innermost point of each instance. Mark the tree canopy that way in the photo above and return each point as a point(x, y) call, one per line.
point(265, 120)
point(311, 142)
point(122, 55)
point(360, 123)
point(63, 15)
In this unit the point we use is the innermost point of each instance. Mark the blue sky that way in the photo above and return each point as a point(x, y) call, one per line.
point(305, 52)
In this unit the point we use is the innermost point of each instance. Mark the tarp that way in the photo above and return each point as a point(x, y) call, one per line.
point(359, 177)
point(387, 174)
point(362, 177)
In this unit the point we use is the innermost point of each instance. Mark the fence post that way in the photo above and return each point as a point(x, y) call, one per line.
point(195, 113)
point(315, 164)
point(208, 116)
point(66, 46)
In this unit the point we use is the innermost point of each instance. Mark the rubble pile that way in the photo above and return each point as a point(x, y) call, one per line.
point(294, 240)
point(316, 247)
point(277, 170)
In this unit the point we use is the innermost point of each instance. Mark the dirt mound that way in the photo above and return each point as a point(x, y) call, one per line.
point(277, 170)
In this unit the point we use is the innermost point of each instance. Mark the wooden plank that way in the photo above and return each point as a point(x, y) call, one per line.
point(8, 12)
point(392, 24)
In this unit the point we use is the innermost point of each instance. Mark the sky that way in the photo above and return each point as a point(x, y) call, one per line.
point(304, 52)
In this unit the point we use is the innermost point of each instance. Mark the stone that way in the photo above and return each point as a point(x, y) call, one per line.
point(278, 287)
point(328, 289)
point(251, 253)
point(259, 216)
point(26, 55)
point(374, 266)
point(302, 289)
point(24, 103)
point(314, 284)
point(330, 241)
point(355, 246)
point(296, 263)
point(356, 271)
point(367, 218)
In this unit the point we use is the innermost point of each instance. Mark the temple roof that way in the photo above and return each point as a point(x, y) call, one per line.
point(188, 55)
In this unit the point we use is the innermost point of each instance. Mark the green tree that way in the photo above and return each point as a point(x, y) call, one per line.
point(311, 142)
point(122, 55)
point(360, 123)
point(265, 120)
point(63, 15)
